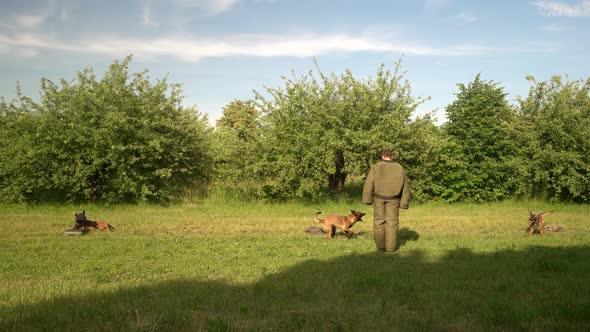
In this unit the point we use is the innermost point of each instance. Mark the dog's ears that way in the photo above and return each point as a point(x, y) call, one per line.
point(352, 211)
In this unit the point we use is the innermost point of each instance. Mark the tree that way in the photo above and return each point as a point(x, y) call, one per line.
point(17, 137)
point(115, 139)
point(481, 152)
point(242, 116)
point(556, 120)
point(236, 141)
point(318, 129)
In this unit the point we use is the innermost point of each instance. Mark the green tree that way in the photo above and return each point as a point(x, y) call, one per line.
point(318, 129)
point(243, 117)
point(480, 155)
point(236, 141)
point(115, 139)
point(17, 137)
point(556, 122)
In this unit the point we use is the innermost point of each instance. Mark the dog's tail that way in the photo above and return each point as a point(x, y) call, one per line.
point(111, 228)
point(315, 217)
point(545, 213)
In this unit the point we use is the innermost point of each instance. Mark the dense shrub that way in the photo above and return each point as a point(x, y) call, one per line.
point(482, 145)
point(236, 142)
point(120, 138)
point(556, 146)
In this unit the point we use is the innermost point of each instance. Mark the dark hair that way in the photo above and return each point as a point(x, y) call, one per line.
point(386, 153)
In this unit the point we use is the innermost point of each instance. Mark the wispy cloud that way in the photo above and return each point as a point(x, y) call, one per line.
point(193, 50)
point(552, 28)
point(29, 21)
point(434, 4)
point(555, 8)
point(34, 19)
point(22, 23)
point(146, 14)
point(466, 17)
point(213, 6)
point(27, 53)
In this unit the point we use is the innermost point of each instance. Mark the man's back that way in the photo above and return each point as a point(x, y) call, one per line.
point(389, 179)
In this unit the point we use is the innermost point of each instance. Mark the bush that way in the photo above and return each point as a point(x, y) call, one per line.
point(117, 139)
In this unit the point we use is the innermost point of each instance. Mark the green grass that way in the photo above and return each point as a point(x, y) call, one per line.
point(224, 266)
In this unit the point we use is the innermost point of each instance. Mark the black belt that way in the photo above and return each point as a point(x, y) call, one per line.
point(385, 197)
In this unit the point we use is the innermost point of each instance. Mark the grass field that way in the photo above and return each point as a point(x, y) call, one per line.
point(249, 266)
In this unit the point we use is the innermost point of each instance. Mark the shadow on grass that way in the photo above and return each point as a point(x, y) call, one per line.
point(539, 288)
point(403, 236)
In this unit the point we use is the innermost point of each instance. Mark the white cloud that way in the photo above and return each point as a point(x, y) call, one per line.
point(146, 14)
point(555, 8)
point(193, 50)
point(64, 16)
point(552, 28)
point(26, 53)
point(213, 6)
point(29, 22)
point(434, 4)
point(466, 17)
point(33, 19)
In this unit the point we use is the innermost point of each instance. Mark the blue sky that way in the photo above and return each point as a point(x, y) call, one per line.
point(221, 50)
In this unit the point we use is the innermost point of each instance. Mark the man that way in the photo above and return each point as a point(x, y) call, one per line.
point(388, 189)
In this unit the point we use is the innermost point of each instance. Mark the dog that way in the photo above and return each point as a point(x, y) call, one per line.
point(537, 222)
point(333, 221)
point(82, 223)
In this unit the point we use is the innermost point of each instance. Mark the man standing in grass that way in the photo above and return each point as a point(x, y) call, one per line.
point(388, 189)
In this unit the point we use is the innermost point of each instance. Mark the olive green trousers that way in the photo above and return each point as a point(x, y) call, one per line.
point(385, 223)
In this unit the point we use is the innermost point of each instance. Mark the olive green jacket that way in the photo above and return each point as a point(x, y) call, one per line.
point(387, 180)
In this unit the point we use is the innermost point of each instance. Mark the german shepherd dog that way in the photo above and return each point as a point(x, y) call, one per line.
point(82, 223)
point(333, 221)
point(537, 222)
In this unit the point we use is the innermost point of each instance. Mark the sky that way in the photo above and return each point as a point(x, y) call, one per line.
point(222, 50)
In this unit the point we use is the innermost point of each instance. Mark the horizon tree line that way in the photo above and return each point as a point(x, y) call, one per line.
point(125, 137)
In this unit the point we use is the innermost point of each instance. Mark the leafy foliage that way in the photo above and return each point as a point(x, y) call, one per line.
point(235, 143)
point(115, 139)
point(319, 129)
point(556, 118)
point(482, 144)
point(127, 138)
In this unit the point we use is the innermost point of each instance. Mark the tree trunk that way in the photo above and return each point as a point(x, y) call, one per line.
point(336, 180)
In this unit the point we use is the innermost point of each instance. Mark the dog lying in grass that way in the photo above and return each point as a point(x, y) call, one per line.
point(537, 222)
point(82, 223)
point(333, 221)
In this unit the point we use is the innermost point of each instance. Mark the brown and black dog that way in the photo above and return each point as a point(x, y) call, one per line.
point(333, 221)
point(537, 222)
point(82, 223)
